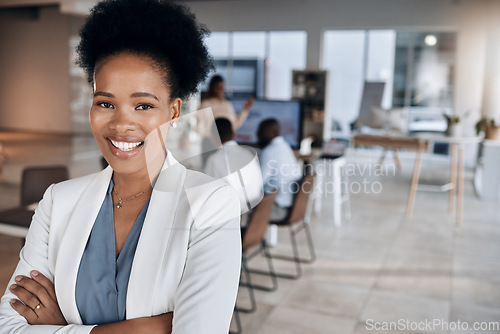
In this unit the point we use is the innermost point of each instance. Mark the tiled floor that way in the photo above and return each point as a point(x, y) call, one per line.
point(378, 267)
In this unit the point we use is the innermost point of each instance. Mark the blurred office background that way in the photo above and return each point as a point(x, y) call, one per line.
point(434, 57)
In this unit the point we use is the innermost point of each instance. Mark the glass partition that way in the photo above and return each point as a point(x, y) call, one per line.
point(424, 69)
point(417, 68)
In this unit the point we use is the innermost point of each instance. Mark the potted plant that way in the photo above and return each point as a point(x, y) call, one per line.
point(453, 129)
point(490, 127)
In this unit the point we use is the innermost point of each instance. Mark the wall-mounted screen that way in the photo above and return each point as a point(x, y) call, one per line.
point(288, 114)
point(242, 77)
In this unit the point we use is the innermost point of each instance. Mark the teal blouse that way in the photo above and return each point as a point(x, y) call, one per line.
point(102, 281)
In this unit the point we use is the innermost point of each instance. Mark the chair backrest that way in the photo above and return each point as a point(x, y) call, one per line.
point(257, 225)
point(36, 180)
point(301, 199)
point(372, 97)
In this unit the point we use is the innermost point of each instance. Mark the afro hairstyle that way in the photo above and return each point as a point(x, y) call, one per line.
point(161, 30)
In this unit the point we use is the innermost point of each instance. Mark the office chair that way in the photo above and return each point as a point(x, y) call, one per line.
point(35, 180)
point(297, 220)
point(254, 236)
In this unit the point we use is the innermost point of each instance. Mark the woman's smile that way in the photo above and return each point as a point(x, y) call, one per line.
point(125, 148)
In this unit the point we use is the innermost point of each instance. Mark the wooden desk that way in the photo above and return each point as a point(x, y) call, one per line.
point(456, 184)
point(395, 143)
point(420, 143)
point(390, 142)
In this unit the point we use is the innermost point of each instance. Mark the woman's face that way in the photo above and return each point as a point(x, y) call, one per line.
point(130, 101)
point(219, 89)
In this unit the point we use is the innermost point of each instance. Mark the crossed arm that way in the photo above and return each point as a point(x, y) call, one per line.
point(37, 303)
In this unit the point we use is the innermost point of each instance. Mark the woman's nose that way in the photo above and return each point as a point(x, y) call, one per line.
point(123, 120)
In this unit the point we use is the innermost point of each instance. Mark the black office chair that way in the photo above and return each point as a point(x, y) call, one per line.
point(35, 180)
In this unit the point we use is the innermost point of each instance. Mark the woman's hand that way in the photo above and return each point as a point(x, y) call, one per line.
point(248, 103)
point(160, 324)
point(37, 300)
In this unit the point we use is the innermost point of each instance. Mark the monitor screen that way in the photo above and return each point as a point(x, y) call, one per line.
point(288, 114)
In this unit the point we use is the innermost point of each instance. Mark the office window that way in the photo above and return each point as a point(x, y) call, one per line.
point(249, 44)
point(417, 68)
point(343, 57)
point(258, 63)
point(424, 69)
point(380, 61)
point(287, 52)
point(218, 44)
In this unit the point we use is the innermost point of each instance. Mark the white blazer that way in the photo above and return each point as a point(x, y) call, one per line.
point(187, 259)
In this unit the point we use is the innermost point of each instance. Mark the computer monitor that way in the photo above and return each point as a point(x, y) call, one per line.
point(288, 113)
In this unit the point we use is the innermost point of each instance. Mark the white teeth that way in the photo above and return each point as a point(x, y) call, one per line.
point(125, 146)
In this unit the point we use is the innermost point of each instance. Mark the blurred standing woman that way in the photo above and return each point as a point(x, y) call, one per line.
point(146, 245)
point(221, 107)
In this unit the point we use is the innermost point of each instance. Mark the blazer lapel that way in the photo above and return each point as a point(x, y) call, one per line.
point(154, 239)
point(74, 240)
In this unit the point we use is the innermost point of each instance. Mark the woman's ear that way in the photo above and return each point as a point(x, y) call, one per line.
point(175, 108)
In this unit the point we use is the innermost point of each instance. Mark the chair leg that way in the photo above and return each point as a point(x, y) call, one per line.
point(295, 258)
point(346, 198)
point(236, 317)
point(310, 244)
point(295, 250)
point(250, 286)
point(312, 256)
point(270, 272)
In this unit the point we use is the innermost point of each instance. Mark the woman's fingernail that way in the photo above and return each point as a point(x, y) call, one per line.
point(13, 301)
point(34, 273)
point(19, 278)
point(13, 286)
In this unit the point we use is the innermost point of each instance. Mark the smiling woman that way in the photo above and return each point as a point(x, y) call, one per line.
point(144, 246)
point(130, 101)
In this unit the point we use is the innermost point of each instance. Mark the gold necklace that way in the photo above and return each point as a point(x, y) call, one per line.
point(120, 200)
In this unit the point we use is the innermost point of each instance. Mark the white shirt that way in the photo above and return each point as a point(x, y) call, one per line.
point(227, 160)
point(239, 167)
point(280, 170)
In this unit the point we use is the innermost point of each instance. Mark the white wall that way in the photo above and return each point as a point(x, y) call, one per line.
point(34, 78)
point(491, 99)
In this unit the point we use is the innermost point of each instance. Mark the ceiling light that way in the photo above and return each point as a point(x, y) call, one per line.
point(430, 40)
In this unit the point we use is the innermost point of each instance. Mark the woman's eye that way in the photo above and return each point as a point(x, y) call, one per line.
point(144, 107)
point(106, 105)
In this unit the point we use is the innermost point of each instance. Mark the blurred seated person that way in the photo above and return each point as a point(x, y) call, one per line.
point(220, 164)
point(279, 167)
point(238, 166)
